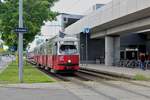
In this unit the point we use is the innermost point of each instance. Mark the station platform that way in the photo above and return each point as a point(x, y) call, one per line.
point(130, 73)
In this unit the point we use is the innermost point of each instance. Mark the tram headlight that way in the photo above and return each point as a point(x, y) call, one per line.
point(69, 61)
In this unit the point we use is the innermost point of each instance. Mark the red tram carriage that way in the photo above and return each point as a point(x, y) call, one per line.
point(58, 54)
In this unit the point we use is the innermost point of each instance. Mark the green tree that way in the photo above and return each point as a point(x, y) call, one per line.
point(35, 13)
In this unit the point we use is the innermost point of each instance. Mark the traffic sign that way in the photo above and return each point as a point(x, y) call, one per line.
point(86, 30)
point(21, 30)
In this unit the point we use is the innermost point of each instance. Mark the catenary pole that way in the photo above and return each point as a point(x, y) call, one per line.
point(20, 42)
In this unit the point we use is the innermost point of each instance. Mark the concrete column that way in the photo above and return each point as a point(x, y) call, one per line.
point(116, 49)
point(109, 50)
point(112, 50)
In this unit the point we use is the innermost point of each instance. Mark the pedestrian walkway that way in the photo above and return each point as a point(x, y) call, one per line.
point(39, 91)
point(54, 85)
point(121, 71)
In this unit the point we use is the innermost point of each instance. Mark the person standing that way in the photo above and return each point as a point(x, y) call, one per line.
point(142, 64)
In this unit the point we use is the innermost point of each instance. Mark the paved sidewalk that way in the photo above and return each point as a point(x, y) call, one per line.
point(39, 91)
point(123, 71)
point(54, 85)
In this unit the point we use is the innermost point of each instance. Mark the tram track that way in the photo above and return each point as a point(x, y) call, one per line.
point(80, 78)
point(55, 76)
point(98, 78)
point(77, 79)
point(111, 77)
point(86, 86)
point(104, 81)
point(103, 76)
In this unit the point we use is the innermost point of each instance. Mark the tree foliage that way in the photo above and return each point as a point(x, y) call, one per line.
point(34, 14)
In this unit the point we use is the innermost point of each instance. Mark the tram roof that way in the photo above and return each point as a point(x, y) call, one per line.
point(66, 38)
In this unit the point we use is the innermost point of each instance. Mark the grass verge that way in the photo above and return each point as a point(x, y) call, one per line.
point(30, 75)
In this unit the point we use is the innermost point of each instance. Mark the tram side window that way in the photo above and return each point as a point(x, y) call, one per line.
point(49, 48)
point(41, 50)
point(55, 49)
point(45, 51)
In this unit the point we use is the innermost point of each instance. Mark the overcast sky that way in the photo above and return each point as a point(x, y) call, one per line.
point(76, 6)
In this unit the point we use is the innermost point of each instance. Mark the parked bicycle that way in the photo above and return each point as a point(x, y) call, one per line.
point(133, 64)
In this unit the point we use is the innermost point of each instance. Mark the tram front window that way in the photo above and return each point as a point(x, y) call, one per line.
point(68, 49)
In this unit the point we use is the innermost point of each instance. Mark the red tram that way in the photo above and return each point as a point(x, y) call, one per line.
point(58, 54)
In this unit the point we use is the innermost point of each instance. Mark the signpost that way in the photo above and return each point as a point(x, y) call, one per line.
point(86, 31)
point(20, 42)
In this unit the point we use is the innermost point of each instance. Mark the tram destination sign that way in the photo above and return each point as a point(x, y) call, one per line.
point(21, 30)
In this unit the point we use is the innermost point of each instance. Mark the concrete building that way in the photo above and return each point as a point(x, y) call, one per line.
point(52, 28)
point(63, 20)
point(93, 8)
point(112, 24)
